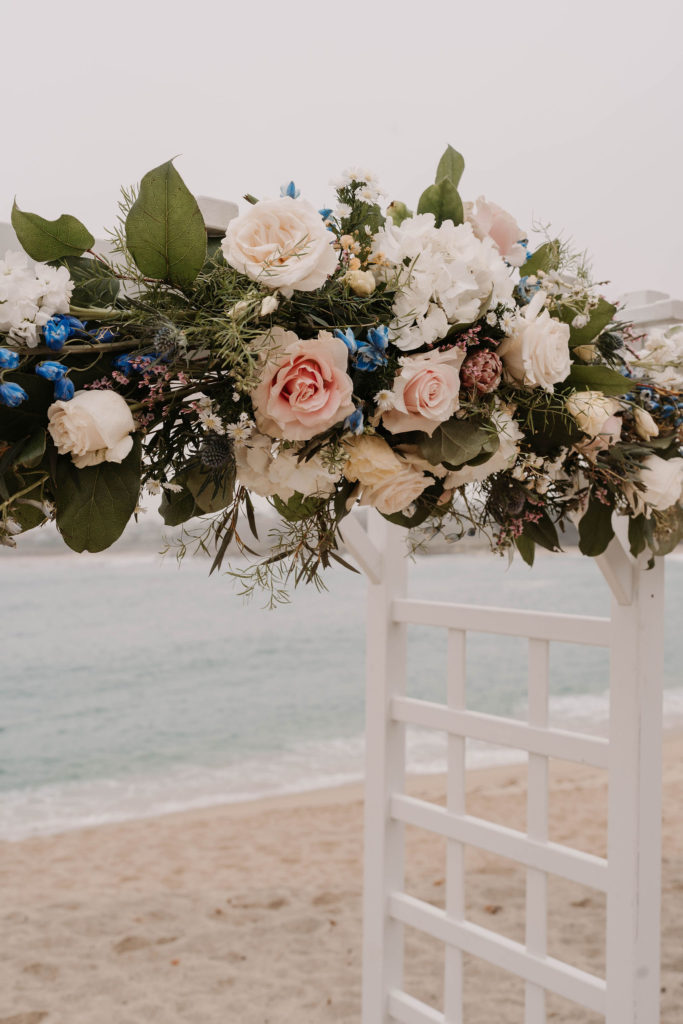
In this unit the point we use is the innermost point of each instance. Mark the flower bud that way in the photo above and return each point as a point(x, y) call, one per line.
point(398, 212)
point(361, 282)
point(12, 394)
point(645, 425)
point(8, 360)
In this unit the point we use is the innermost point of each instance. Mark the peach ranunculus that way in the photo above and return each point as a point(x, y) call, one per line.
point(425, 391)
point(281, 243)
point(304, 386)
point(489, 219)
point(387, 482)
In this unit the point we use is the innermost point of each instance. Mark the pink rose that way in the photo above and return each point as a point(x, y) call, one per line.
point(304, 386)
point(425, 392)
point(489, 219)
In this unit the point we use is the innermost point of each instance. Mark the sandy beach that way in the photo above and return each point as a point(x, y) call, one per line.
point(250, 913)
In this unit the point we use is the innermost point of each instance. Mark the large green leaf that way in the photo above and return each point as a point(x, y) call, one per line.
point(526, 548)
point(600, 318)
point(177, 507)
point(598, 378)
point(94, 504)
point(595, 528)
point(443, 200)
point(546, 258)
point(456, 442)
point(210, 492)
point(46, 240)
point(543, 532)
point(451, 166)
point(165, 230)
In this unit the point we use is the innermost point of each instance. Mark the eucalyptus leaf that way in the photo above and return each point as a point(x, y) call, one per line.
point(94, 504)
point(297, 507)
point(456, 442)
point(598, 378)
point(443, 200)
point(46, 240)
point(526, 548)
point(595, 528)
point(451, 166)
point(165, 230)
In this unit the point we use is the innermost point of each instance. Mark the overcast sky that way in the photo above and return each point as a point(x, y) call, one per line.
point(568, 113)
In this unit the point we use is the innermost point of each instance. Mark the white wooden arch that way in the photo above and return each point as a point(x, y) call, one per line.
point(630, 876)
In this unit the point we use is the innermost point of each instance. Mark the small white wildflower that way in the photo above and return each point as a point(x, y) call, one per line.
point(211, 422)
point(236, 396)
point(491, 319)
point(269, 305)
point(237, 310)
point(154, 486)
point(173, 488)
point(385, 400)
point(507, 322)
point(204, 402)
point(242, 430)
point(580, 320)
point(342, 211)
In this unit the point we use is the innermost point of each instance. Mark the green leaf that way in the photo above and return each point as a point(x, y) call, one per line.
point(543, 533)
point(595, 528)
point(443, 200)
point(637, 534)
point(46, 240)
point(211, 494)
point(451, 166)
point(33, 451)
point(526, 548)
point(456, 442)
point(297, 507)
point(546, 258)
point(94, 504)
point(176, 507)
point(96, 285)
point(600, 318)
point(598, 378)
point(30, 416)
point(165, 230)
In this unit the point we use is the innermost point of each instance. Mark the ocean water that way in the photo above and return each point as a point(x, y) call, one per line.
point(131, 688)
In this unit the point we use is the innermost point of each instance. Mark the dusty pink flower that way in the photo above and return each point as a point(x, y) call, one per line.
point(489, 219)
point(482, 370)
point(425, 391)
point(304, 386)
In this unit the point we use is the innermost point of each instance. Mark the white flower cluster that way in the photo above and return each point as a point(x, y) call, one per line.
point(446, 276)
point(662, 357)
point(371, 191)
point(29, 296)
point(267, 468)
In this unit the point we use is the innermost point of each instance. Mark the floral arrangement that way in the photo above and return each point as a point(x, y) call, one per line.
point(428, 364)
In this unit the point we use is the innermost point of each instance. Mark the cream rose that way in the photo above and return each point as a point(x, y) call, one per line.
point(591, 410)
point(425, 392)
point(93, 427)
point(663, 480)
point(489, 219)
point(387, 482)
point(537, 352)
point(304, 386)
point(281, 243)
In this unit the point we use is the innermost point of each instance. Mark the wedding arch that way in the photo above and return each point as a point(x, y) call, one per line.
point(433, 367)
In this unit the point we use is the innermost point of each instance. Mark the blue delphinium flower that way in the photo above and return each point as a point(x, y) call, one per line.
point(326, 213)
point(64, 389)
point(130, 363)
point(290, 190)
point(354, 422)
point(104, 334)
point(8, 360)
point(12, 394)
point(372, 353)
point(50, 371)
point(349, 339)
point(526, 290)
point(59, 329)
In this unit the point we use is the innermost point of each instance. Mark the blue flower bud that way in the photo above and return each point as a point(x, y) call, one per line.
point(325, 213)
point(59, 329)
point(50, 371)
point(349, 339)
point(12, 394)
point(372, 353)
point(354, 422)
point(290, 190)
point(64, 389)
point(8, 360)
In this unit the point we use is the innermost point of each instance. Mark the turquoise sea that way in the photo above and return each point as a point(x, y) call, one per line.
point(131, 688)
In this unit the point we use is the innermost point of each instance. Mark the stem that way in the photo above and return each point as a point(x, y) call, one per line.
point(26, 490)
point(94, 314)
point(105, 346)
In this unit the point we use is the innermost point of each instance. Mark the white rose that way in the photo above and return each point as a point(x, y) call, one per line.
point(281, 243)
point(663, 480)
point(93, 427)
point(591, 410)
point(537, 352)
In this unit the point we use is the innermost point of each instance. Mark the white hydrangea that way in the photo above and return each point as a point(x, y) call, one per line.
point(29, 296)
point(446, 276)
point(266, 468)
point(662, 357)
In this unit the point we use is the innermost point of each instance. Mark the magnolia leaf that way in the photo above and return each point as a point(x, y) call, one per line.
point(546, 258)
point(598, 378)
point(595, 528)
point(165, 230)
point(456, 442)
point(526, 548)
point(543, 533)
point(94, 504)
point(451, 166)
point(176, 507)
point(210, 493)
point(637, 534)
point(443, 200)
point(46, 240)
point(33, 451)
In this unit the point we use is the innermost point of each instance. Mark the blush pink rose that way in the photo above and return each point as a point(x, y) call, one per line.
point(425, 392)
point(304, 386)
point(489, 219)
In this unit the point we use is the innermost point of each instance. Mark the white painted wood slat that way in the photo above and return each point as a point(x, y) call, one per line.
point(537, 828)
point(455, 852)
